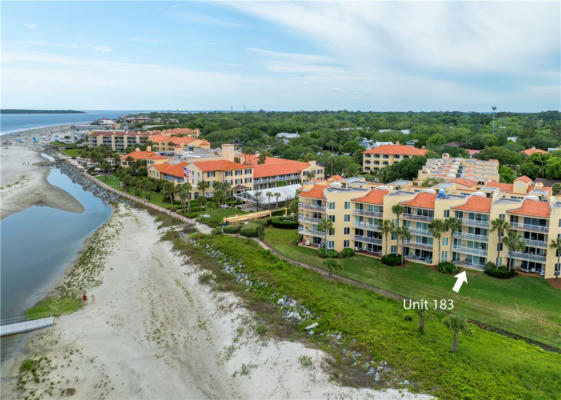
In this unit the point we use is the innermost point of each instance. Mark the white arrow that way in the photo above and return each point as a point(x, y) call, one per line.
point(461, 278)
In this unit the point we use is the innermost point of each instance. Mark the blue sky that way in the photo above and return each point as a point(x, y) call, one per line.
point(281, 55)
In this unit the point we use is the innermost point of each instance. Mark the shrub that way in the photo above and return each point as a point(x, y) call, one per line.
point(332, 253)
point(322, 252)
point(284, 223)
point(347, 252)
point(249, 230)
point(391, 259)
point(192, 215)
point(501, 272)
point(447, 267)
point(232, 228)
point(189, 228)
point(277, 213)
point(216, 231)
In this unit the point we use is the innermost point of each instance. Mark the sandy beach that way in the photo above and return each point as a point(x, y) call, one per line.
point(23, 182)
point(44, 134)
point(156, 332)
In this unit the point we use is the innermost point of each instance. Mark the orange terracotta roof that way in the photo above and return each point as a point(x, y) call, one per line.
point(396, 149)
point(422, 200)
point(477, 204)
point(464, 182)
point(523, 178)
point(505, 187)
point(171, 169)
point(219, 165)
point(143, 155)
point(172, 139)
point(534, 208)
point(277, 168)
point(529, 152)
point(375, 196)
point(316, 192)
point(336, 178)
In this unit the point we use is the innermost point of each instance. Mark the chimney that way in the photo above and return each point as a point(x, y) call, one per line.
point(149, 148)
point(228, 152)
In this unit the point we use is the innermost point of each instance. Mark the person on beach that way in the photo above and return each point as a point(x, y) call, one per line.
point(93, 298)
point(85, 298)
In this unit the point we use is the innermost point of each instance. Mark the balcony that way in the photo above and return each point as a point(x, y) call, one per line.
point(536, 243)
point(426, 260)
point(370, 213)
point(310, 206)
point(527, 256)
point(367, 239)
point(372, 227)
point(470, 250)
point(417, 217)
point(418, 245)
point(308, 219)
point(311, 232)
point(474, 222)
point(529, 227)
point(420, 232)
point(467, 264)
point(471, 236)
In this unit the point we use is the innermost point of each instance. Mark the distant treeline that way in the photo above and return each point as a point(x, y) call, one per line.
point(16, 111)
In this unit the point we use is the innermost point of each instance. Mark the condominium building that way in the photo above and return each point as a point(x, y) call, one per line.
point(176, 144)
point(149, 156)
point(117, 140)
point(451, 168)
point(357, 212)
point(388, 154)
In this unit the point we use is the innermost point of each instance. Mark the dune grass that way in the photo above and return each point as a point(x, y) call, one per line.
point(526, 306)
point(54, 306)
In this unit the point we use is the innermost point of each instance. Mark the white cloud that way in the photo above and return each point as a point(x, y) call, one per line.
point(30, 26)
point(101, 49)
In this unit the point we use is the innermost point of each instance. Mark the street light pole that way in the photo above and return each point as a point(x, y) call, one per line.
point(494, 108)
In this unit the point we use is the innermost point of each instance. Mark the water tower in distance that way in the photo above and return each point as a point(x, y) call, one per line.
point(494, 109)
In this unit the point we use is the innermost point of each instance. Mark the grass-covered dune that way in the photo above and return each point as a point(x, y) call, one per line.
point(526, 306)
point(488, 365)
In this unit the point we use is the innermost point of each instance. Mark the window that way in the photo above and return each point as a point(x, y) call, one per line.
point(347, 205)
point(394, 222)
point(239, 172)
point(331, 205)
point(499, 247)
point(446, 213)
point(393, 250)
point(347, 217)
point(394, 236)
point(210, 174)
point(444, 256)
point(346, 243)
point(248, 171)
point(501, 216)
point(445, 241)
point(247, 180)
point(330, 244)
point(346, 231)
point(331, 218)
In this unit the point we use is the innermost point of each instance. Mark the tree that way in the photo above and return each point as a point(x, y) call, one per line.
point(514, 243)
point(277, 195)
point(437, 227)
point(555, 244)
point(386, 228)
point(219, 197)
point(293, 206)
point(258, 198)
point(331, 266)
point(501, 226)
point(398, 209)
point(453, 225)
point(188, 188)
point(170, 190)
point(506, 174)
point(183, 193)
point(457, 325)
point(556, 188)
point(269, 195)
point(436, 140)
point(202, 186)
point(422, 313)
point(403, 234)
point(504, 156)
point(325, 225)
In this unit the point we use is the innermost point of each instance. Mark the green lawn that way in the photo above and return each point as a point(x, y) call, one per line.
point(487, 365)
point(527, 306)
point(72, 152)
point(217, 217)
point(156, 198)
point(55, 306)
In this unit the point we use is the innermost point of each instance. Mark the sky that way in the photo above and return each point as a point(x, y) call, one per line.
point(370, 56)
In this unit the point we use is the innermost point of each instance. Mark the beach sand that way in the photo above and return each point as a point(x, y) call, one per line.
point(156, 332)
point(23, 182)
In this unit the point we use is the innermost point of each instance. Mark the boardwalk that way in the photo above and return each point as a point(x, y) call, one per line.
point(26, 326)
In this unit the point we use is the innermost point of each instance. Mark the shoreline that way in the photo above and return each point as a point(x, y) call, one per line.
point(30, 130)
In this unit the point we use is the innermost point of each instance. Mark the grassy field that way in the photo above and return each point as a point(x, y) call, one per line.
point(55, 306)
point(156, 198)
point(72, 152)
point(527, 306)
point(487, 365)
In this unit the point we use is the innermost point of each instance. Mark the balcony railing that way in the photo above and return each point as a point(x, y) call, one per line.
point(538, 243)
point(467, 264)
point(474, 222)
point(372, 227)
point(418, 245)
point(427, 260)
point(371, 213)
point(308, 219)
point(470, 250)
point(311, 232)
point(309, 206)
point(529, 227)
point(471, 236)
point(368, 239)
point(527, 256)
point(420, 232)
point(417, 217)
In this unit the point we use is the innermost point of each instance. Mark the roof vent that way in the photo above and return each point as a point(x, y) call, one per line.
point(532, 197)
point(382, 187)
point(479, 194)
point(336, 185)
point(432, 191)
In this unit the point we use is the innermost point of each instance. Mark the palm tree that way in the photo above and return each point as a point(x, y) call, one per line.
point(398, 209)
point(457, 325)
point(453, 225)
point(277, 195)
point(403, 234)
point(325, 225)
point(219, 197)
point(258, 198)
point(437, 227)
point(269, 195)
point(501, 226)
point(422, 313)
point(170, 190)
point(183, 193)
point(331, 266)
point(514, 243)
point(386, 228)
point(202, 186)
point(555, 244)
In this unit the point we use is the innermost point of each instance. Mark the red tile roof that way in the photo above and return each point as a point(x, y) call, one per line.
point(219, 165)
point(472, 152)
point(529, 152)
point(375, 196)
point(476, 204)
point(396, 149)
point(118, 133)
point(422, 200)
point(143, 155)
point(277, 168)
point(523, 178)
point(336, 178)
point(464, 182)
point(534, 208)
point(505, 187)
point(172, 139)
point(316, 192)
point(171, 169)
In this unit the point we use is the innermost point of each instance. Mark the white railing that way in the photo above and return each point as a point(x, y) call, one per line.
point(474, 222)
point(470, 250)
point(310, 232)
point(532, 242)
point(417, 217)
point(374, 227)
point(419, 245)
point(367, 239)
point(372, 213)
point(529, 227)
point(527, 256)
point(308, 219)
point(420, 232)
point(471, 236)
point(309, 206)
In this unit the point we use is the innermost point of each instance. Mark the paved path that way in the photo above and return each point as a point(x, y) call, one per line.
point(26, 326)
